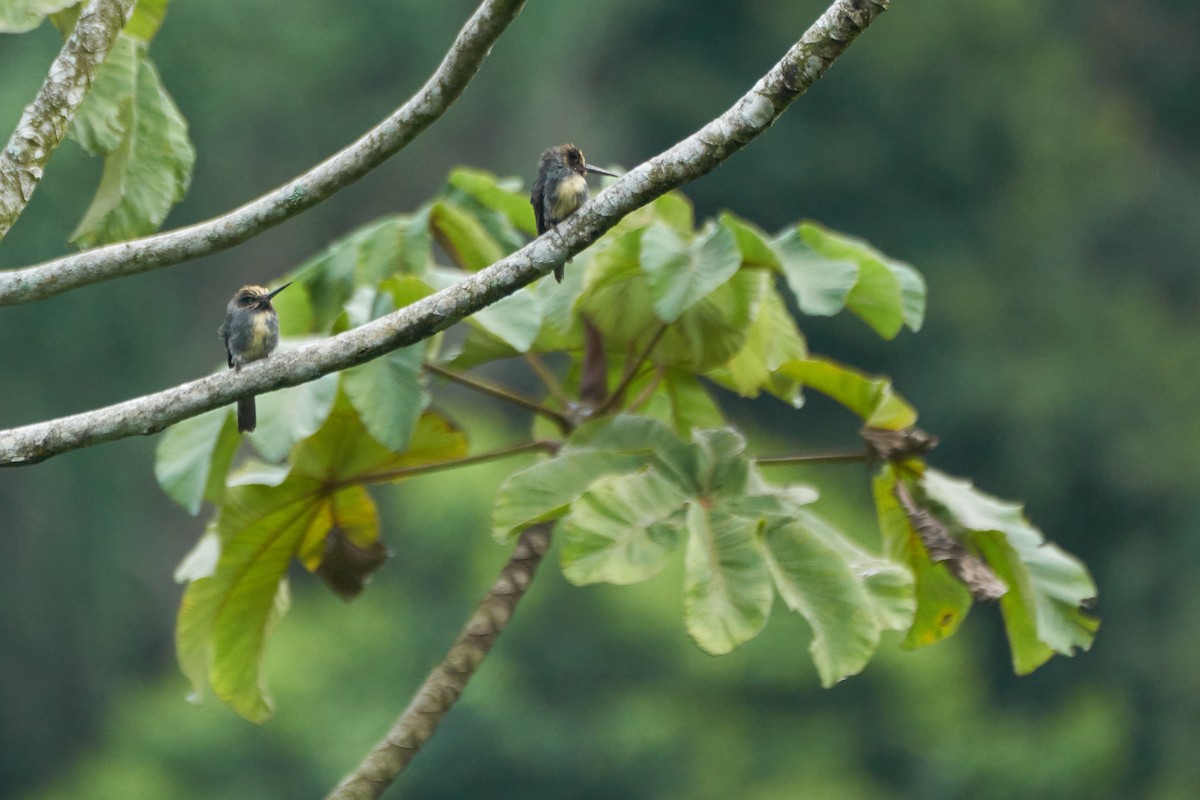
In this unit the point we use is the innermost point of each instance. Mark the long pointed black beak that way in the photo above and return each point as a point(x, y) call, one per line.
point(280, 289)
point(599, 171)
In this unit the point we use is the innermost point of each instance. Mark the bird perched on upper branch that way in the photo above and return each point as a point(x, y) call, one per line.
point(561, 188)
point(250, 332)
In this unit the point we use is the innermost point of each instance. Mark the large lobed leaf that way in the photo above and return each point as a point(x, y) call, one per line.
point(269, 517)
point(629, 491)
point(1048, 588)
point(148, 155)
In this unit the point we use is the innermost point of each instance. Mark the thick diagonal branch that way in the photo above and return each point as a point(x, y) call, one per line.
point(45, 121)
point(446, 682)
point(803, 64)
point(461, 63)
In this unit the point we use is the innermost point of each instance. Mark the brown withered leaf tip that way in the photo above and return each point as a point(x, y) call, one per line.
point(969, 569)
point(345, 566)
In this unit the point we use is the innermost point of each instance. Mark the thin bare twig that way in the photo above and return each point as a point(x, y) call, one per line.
point(46, 120)
point(697, 155)
point(387, 138)
point(812, 458)
point(542, 445)
point(446, 682)
point(548, 379)
point(631, 371)
point(503, 393)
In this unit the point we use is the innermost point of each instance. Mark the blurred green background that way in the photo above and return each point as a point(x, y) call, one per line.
point(1038, 162)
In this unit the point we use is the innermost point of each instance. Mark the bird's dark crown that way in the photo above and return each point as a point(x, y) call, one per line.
point(248, 296)
point(251, 296)
point(568, 155)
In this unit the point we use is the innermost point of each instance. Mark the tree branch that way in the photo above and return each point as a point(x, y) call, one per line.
point(45, 121)
point(446, 682)
point(696, 155)
point(461, 63)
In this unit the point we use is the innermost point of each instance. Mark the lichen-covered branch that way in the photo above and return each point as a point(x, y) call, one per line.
point(45, 121)
point(446, 682)
point(696, 155)
point(463, 60)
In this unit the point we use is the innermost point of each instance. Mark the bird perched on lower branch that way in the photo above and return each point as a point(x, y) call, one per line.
point(561, 188)
point(250, 332)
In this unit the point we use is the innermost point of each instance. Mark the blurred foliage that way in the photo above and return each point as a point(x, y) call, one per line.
point(1045, 184)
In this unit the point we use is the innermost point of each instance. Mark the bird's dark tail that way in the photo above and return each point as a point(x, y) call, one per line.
point(247, 416)
point(559, 271)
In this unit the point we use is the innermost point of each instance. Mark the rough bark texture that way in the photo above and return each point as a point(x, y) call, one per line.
point(803, 64)
point(45, 121)
point(446, 682)
point(461, 63)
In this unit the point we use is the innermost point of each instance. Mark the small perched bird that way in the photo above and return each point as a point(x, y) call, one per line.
point(250, 332)
point(561, 188)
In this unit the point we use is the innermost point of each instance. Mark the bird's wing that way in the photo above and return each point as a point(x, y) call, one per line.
point(223, 332)
point(537, 200)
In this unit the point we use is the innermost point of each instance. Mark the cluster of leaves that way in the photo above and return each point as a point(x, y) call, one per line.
point(654, 320)
point(129, 118)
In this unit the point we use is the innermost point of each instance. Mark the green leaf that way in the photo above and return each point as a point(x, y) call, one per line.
point(751, 242)
point(673, 209)
point(680, 273)
point(146, 174)
point(19, 16)
point(616, 296)
point(889, 294)
point(714, 329)
point(295, 310)
point(870, 398)
point(389, 395)
point(723, 470)
point(193, 456)
point(727, 590)
point(824, 577)
point(622, 529)
point(942, 601)
point(224, 619)
point(821, 283)
point(1043, 609)
point(486, 189)
point(545, 490)
point(912, 293)
point(513, 321)
point(147, 19)
point(103, 117)
point(367, 256)
point(680, 400)
point(227, 611)
point(678, 460)
point(463, 237)
point(288, 415)
point(772, 340)
point(876, 299)
point(343, 449)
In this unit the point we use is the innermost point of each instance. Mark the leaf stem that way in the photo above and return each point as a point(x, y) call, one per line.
point(812, 458)
point(503, 393)
point(548, 378)
point(545, 445)
point(631, 372)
